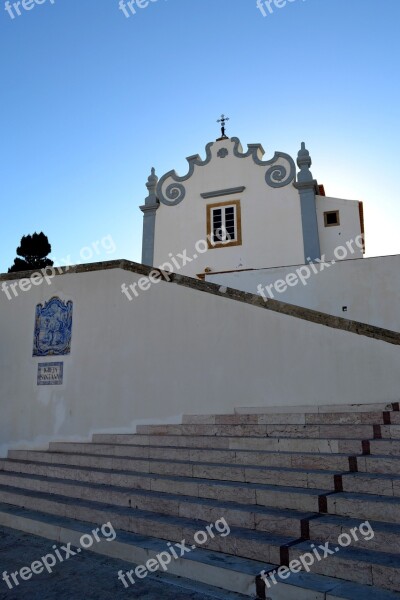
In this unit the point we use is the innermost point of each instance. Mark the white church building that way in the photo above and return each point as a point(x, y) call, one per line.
point(244, 375)
point(254, 213)
point(264, 227)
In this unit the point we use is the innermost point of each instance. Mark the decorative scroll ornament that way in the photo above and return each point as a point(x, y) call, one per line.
point(278, 176)
point(175, 192)
point(53, 328)
point(281, 170)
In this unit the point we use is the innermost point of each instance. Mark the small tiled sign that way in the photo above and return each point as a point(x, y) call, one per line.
point(50, 373)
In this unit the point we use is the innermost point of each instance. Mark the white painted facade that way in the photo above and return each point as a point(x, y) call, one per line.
point(272, 228)
point(368, 288)
point(347, 231)
point(269, 237)
point(174, 349)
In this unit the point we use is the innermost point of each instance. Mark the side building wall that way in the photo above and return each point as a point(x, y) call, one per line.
point(179, 346)
point(368, 289)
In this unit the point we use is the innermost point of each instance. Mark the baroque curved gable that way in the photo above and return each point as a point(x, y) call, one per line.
point(280, 170)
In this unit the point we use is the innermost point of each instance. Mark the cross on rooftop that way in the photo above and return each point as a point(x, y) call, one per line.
point(223, 120)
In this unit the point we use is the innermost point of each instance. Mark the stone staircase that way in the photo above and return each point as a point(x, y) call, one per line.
point(285, 483)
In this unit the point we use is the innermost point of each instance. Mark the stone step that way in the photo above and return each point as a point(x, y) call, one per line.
point(203, 566)
point(249, 516)
point(245, 543)
point(199, 470)
point(315, 408)
point(362, 432)
point(364, 506)
point(385, 447)
point(195, 486)
point(371, 483)
point(333, 418)
point(380, 464)
point(395, 418)
point(366, 483)
point(366, 567)
point(271, 496)
point(369, 534)
point(388, 432)
point(276, 444)
point(240, 542)
point(332, 462)
point(219, 570)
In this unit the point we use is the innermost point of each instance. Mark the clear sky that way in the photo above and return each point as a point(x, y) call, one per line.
point(92, 99)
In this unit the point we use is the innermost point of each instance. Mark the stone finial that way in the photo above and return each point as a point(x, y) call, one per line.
point(152, 182)
point(304, 163)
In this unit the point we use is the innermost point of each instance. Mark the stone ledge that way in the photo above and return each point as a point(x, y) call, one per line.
point(306, 314)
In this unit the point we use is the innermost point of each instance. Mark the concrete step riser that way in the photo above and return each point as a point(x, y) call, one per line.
point(362, 484)
point(359, 572)
point(278, 479)
point(385, 447)
point(320, 410)
point(232, 576)
point(340, 565)
point(190, 509)
point(350, 482)
point(254, 458)
point(272, 523)
point(380, 465)
point(237, 546)
point(237, 443)
point(384, 510)
point(268, 498)
point(199, 488)
point(380, 540)
point(233, 473)
point(390, 432)
point(367, 418)
point(221, 571)
point(274, 431)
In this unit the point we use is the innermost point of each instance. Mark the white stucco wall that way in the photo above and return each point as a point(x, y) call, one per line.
point(173, 350)
point(271, 219)
point(272, 233)
point(349, 228)
point(369, 287)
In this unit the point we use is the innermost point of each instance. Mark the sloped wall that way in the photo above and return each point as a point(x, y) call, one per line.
point(173, 349)
point(369, 288)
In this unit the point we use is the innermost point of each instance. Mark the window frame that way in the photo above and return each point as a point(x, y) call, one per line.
point(238, 224)
point(331, 212)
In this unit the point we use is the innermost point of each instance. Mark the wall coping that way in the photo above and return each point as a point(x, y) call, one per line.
point(306, 314)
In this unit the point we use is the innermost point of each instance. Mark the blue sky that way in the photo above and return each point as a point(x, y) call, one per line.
point(91, 100)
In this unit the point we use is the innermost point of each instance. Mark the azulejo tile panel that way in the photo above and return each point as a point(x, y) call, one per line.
point(53, 328)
